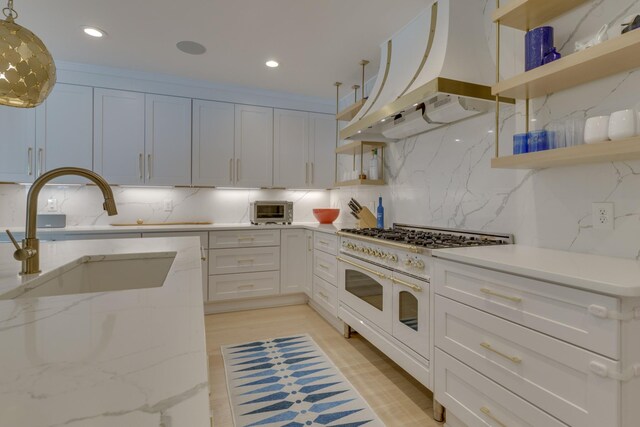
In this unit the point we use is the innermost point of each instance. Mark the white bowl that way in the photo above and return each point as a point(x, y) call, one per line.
point(622, 125)
point(596, 129)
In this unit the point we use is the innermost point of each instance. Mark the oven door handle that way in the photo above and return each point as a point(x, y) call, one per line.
point(416, 288)
point(367, 269)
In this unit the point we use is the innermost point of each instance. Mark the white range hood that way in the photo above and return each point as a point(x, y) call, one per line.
point(436, 71)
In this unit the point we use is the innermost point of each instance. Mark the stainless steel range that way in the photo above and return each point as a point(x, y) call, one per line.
point(384, 281)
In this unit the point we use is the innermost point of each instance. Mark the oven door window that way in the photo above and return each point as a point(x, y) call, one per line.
point(408, 310)
point(271, 212)
point(364, 287)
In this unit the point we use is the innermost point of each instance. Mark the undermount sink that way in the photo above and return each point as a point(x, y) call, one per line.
point(99, 273)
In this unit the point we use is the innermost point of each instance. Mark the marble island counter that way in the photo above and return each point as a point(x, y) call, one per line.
point(121, 358)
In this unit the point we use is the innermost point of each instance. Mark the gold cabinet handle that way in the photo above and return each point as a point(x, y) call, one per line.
point(248, 285)
point(231, 170)
point(407, 284)
point(309, 245)
point(513, 359)
point(323, 295)
point(141, 165)
point(323, 266)
point(306, 173)
point(203, 254)
point(311, 174)
point(237, 170)
point(149, 166)
point(40, 162)
point(246, 238)
point(323, 242)
point(245, 261)
point(30, 161)
point(362, 267)
point(488, 291)
point(488, 413)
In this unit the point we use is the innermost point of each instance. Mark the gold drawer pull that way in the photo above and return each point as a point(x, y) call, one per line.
point(514, 359)
point(323, 266)
point(246, 238)
point(246, 261)
point(323, 242)
point(488, 413)
point(323, 295)
point(499, 295)
point(407, 284)
point(247, 286)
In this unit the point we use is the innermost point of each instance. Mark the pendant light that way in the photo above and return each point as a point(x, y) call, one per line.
point(27, 70)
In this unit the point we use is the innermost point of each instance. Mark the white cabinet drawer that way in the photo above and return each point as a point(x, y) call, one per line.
point(325, 242)
point(243, 238)
point(555, 310)
point(547, 372)
point(326, 267)
point(243, 260)
point(478, 401)
point(325, 295)
point(244, 285)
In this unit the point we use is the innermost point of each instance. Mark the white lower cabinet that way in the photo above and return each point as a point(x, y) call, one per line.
point(325, 266)
point(545, 371)
point(308, 283)
point(512, 351)
point(477, 401)
point(293, 261)
point(325, 295)
point(244, 260)
point(257, 262)
point(244, 285)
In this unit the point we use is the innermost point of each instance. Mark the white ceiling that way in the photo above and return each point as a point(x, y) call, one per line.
point(317, 42)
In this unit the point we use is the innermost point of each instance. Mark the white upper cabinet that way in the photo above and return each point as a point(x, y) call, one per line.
point(253, 146)
point(304, 149)
point(168, 140)
point(213, 160)
point(322, 149)
point(119, 136)
point(291, 145)
point(17, 144)
point(64, 131)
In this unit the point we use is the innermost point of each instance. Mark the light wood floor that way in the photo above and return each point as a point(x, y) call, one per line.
point(398, 399)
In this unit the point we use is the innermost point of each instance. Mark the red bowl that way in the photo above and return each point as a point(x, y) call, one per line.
point(326, 216)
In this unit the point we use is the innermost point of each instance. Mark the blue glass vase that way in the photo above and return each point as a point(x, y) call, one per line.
point(538, 43)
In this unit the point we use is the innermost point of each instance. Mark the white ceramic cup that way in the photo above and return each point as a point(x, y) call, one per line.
point(622, 124)
point(596, 129)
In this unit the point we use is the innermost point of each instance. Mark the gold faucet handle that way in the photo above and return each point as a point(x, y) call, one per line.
point(20, 254)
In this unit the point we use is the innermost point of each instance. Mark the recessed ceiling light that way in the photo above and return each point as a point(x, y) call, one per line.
point(94, 32)
point(458, 140)
point(272, 64)
point(191, 47)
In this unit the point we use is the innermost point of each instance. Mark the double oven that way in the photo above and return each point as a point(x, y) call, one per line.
point(390, 291)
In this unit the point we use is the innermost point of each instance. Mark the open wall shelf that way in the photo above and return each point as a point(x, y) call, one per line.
point(612, 151)
point(608, 58)
point(350, 112)
point(527, 14)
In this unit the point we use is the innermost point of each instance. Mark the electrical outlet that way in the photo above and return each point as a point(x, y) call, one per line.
point(603, 218)
point(168, 205)
point(52, 205)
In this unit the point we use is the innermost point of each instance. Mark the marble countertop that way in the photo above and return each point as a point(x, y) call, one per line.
point(123, 358)
point(606, 275)
point(85, 229)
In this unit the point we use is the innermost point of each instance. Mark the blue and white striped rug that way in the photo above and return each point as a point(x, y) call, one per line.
point(290, 382)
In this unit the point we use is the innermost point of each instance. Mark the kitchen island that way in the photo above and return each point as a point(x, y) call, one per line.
point(123, 358)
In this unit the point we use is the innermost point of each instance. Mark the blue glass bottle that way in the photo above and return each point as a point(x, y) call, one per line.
point(380, 216)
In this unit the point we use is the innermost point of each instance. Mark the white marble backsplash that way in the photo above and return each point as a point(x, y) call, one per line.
point(444, 178)
point(83, 204)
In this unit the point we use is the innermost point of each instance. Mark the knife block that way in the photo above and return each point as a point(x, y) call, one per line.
point(367, 219)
